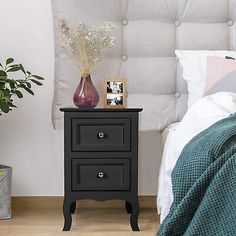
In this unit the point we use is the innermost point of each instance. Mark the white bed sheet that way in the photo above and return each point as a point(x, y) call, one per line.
point(199, 117)
point(166, 131)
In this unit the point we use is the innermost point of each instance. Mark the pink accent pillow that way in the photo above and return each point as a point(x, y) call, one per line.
point(221, 75)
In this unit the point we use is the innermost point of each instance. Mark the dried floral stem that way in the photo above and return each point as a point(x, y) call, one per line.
point(86, 46)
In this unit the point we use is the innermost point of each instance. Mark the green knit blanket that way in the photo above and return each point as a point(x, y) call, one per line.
point(204, 185)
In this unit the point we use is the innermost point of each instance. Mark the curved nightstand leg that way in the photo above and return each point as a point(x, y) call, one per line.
point(67, 215)
point(128, 207)
point(134, 215)
point(73, 207)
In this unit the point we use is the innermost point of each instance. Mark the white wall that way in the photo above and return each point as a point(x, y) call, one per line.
point(28, 142)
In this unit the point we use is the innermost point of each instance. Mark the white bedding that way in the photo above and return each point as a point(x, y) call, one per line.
point(166, 132)
point(200, 116)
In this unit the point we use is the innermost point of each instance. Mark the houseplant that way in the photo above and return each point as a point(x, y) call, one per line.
point(85, 46)
point(9, 89)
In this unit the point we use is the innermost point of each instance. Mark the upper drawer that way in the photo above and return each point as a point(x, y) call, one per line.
point(100, 134)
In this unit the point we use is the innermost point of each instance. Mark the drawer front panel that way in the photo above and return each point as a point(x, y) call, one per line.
point(100, 135)
point(100, 174)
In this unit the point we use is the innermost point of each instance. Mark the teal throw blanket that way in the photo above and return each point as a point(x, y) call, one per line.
point(204, 185)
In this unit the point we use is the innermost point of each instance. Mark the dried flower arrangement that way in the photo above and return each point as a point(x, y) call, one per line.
point(86, 46)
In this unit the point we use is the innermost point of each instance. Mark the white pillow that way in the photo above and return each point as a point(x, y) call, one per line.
point(194, 65)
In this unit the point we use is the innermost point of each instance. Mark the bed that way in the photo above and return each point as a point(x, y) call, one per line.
point(213, 108)
point(197, 179)
point(199, 152)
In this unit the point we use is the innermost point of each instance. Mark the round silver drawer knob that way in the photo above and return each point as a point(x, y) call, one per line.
point(101, 135)
point(100, 175)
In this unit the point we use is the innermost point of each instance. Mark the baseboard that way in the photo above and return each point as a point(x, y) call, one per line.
point(56, 202)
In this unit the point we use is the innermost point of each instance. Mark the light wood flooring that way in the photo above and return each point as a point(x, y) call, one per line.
point(86, 222)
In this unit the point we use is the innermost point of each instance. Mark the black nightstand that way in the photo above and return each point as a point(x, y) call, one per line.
point(101, 158)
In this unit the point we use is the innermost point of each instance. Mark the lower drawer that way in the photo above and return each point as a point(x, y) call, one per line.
point(100, 174)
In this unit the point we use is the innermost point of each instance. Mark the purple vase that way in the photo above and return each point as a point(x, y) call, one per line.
point(86, 95)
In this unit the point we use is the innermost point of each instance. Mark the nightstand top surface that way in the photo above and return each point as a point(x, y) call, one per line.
point(74, 109)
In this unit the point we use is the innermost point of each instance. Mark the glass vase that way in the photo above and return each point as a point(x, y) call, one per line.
point(86, 95)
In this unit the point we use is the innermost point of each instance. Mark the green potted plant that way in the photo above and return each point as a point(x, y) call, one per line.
point(11, 88)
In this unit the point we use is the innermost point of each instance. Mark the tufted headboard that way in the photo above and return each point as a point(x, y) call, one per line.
point(148, 33)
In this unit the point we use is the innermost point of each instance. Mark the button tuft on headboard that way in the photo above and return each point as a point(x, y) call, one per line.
point(230, 23)
point(124, 58)
point(177, 95)
point(124, 22)
point(177, 23)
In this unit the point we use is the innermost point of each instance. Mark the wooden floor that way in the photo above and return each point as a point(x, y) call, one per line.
point(86, 222)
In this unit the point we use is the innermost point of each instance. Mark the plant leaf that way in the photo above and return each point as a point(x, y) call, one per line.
point(20, 80)
point(6, 92)
point(38, 77)
point(13, 69)
point(6, 99)
point(15, 65)
point(3, 74)
point(29, 90)
point(22, 69)
point(11, 104)
point(36, 82)
point(9, 61)
point(28, 84)
point(4, 106)
point(12, 85)
point(18, 94)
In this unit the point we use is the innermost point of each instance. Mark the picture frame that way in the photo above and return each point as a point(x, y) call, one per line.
point(115, 93)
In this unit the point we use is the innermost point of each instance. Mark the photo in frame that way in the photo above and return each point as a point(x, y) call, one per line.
point(115, 93)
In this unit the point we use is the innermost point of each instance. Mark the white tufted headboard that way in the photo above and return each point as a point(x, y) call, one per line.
point(149, 32)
